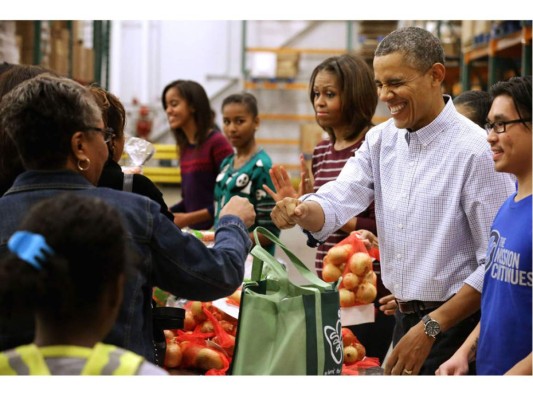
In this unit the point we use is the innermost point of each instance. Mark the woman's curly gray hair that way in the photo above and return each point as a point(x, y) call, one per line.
point(41, 115)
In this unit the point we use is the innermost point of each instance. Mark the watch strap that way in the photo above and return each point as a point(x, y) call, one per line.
point(427, 320)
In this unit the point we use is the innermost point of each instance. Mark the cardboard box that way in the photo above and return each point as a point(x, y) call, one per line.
point(467, 34)
point(26, 56)
point(57, 28)
point(451, 49)
point(310, 135)
point(77, 59)
point(8, 27)
point(287, 65)
point(59, 56)
point(25, 31)
point(77, 30)
point(88, 72)
point(82, 63)
point(374, 28)
point(482, 27)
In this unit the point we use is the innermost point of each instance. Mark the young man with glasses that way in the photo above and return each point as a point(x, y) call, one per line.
point(501, 126)
point(431, 175)
point(501, 342)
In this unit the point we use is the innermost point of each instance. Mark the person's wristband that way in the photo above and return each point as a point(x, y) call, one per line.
point(311, 241)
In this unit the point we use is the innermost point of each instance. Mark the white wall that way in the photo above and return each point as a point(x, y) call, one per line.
point(146, 55)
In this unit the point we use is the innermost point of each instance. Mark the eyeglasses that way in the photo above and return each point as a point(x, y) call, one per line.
point(107, 133)
point(501, 126)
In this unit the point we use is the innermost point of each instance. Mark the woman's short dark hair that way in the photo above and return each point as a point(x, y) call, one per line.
point(113, 114)
point(244, 98)
point(89, 244)
point(478, 103)
point(10, 161)
point(41, 115)
point(358, 92)
point(196, 97)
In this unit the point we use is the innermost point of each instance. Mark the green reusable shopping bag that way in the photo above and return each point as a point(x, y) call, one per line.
point(285, 328)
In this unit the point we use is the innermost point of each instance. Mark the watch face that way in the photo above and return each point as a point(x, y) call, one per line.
point(432, 328)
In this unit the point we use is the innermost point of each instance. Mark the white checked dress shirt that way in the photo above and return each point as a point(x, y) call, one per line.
point(436, 193)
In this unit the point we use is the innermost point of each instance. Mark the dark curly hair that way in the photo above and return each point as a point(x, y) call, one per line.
point(89, 244)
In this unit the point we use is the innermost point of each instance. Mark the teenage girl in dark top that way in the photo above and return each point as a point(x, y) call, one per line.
point(201, 148)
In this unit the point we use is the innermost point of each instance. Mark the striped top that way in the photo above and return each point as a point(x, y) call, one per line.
point(199, 169)
point(326, 165)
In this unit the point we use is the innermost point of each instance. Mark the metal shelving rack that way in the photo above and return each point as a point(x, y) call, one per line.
point(101, 40)
point(510, 52)
point(261, 86)
point(101, 37)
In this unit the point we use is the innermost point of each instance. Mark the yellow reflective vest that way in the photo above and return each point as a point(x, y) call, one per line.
point(102, 359)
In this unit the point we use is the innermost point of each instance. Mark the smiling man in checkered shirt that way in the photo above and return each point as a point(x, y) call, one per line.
point(430, 172)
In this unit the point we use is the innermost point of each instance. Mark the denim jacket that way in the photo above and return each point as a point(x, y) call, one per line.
point(165, 256)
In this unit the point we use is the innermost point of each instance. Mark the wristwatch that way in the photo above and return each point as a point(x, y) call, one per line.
point(431, 327)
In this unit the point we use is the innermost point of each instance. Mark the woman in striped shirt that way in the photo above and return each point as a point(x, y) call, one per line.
point(344, 98)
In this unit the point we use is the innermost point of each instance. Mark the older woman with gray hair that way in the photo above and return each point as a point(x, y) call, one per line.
point(58, 130)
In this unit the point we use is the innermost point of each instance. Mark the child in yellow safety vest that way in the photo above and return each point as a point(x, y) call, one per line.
point(67, 266)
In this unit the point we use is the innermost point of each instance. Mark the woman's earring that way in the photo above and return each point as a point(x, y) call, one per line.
point(80, 166)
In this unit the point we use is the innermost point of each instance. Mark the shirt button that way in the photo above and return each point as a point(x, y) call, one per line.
point(398, 256)
point(400, 226)
point(411, 163)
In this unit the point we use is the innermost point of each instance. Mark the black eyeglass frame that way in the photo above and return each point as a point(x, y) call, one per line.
point(501, 126)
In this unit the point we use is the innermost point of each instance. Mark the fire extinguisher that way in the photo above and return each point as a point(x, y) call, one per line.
point(144, 122)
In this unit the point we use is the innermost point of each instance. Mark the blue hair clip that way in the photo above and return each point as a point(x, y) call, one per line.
point(30, 247)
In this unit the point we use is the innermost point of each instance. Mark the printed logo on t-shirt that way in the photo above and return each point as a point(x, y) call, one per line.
point(504, 264)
